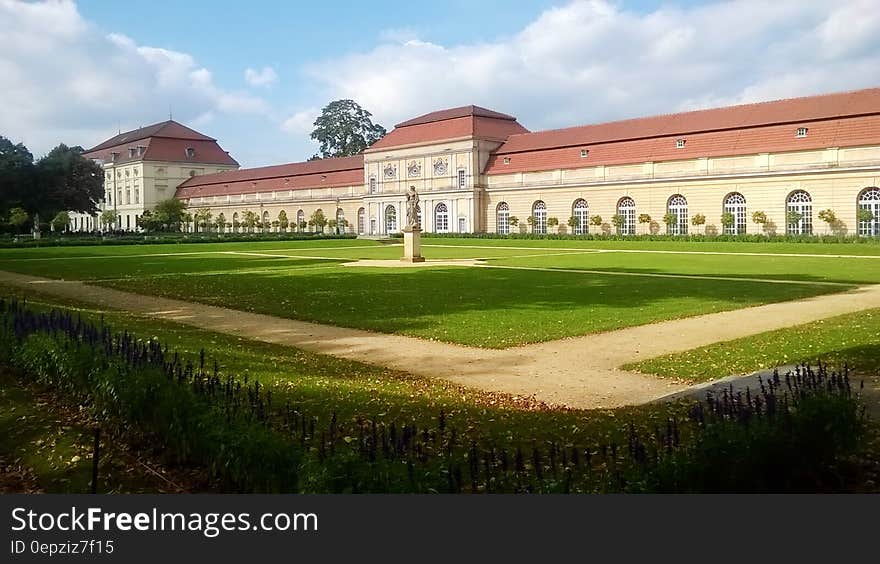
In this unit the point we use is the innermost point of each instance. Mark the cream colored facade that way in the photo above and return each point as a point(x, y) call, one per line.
point(132, 187)
point(456, 196)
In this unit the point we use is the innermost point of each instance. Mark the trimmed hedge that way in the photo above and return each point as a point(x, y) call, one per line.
point(162, 239)
point(751, 238)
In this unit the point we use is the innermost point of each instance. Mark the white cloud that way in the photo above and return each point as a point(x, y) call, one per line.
point(301, 122)
point(66, 80)
point(262, 77)
point(593, 60)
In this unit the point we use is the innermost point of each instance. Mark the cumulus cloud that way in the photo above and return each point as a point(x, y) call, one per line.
point(301, 122)
point(66, 80)
point(592, 60)
point(265, 76)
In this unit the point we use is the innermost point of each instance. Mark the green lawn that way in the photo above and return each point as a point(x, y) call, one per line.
point(538, 290)
point(853, 338)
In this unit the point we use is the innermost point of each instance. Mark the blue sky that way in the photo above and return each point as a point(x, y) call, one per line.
point(78, 71)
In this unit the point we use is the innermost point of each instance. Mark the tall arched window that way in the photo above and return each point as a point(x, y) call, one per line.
point(502, 218)
point(869, 212)
point(300, 219)
point(390, 219)
point(799, 216)
point(267, 223)
point(539, 214)
point(678, 206)
point(340, 220)
point(235, 222)
point(626, 209)
point(735, 204)
point(362, 214)
point(441, 218)
point(580, 211)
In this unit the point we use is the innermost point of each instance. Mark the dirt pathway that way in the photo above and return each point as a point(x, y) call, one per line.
point(579, 372)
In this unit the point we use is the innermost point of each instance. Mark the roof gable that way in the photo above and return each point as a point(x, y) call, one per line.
point(169, 128)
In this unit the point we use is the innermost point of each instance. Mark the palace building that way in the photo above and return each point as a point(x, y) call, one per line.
point(478, 170)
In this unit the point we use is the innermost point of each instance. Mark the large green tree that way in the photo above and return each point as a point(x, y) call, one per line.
point(169, 214)
point(67, 181)
point(344, 129)
point(16, 174)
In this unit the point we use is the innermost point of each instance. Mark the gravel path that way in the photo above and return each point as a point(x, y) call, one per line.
point(578, 372)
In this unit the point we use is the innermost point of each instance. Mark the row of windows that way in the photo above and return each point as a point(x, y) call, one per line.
point(799, 214)
point(462, 181)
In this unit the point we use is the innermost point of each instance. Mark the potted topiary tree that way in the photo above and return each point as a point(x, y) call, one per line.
point(617, 220)
point(698, 220)
point(645, 219)
point(727, 220)
point(513, 221)
point(670, 219)
point(830, 219)
point(553, 222)
point(573, 223)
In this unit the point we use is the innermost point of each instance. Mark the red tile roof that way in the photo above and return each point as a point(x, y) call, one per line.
point(454, 123)
point(323, 173)
point(165, 141)
point(833, 120)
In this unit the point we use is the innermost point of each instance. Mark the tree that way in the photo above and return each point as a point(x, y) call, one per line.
point(283, 222)
point(829, 217)
point(148, 222)
point(66, 180)
point(220, 222)
point(617, 220)
point(759, 217)
point(16, 174)
point(596, 220)
point(865, 215)
point(18, 218)
point(170, 214)
point(203, 218)
point(727, 220)
point(61, 221)
point(513, 220)
point(572, 222)
point(109, 219)
point(698, 220)
point(670, 219)
point(552, 221)
point(344, 129)
point(249, 221)
point(644, 218)
point(318, 220)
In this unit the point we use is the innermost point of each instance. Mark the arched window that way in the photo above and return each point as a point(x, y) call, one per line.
point(626, 209)
point(869, 212)
point(340, 220)
point(235, 222)
point(390, 219)
point(580, 211)
point(502, 218)
point(441, 218)
point(735, 204)
point(267, 223)
point(539, 214)
point(678, 206)
point(799, 216)
point(362, 214)
point(300, 219)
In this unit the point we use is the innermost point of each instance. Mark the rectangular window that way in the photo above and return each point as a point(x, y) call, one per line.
point(679, 143)
point(372, 185)
point(801, 132)
point(462, 179)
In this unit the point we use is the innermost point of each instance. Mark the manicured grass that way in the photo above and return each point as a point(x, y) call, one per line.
point(853, 338)
point(540, 294)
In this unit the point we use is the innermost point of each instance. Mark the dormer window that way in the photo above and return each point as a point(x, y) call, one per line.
point(132, 151)
point(801, 132)
point(506, 160)
point(584, 153)
point(114, 156)
point(190, 152)
point(141, 150)
point(679, 143)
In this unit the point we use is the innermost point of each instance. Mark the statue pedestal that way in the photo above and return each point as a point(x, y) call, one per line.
point(412, 245)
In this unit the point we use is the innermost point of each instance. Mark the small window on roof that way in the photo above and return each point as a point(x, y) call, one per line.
point(132, 151)
point(114, 155)
point(190, 152)
point(801, 132)
point(141, 149)
point(679, 143)
point(584, 153)
point(506, 160)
